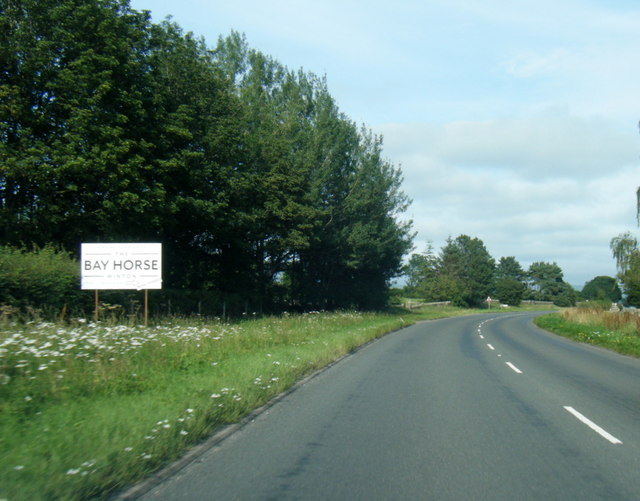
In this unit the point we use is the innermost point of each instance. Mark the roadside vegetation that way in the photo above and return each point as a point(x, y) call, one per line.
point(464, 273)
point(88, 408)
point(617, 331)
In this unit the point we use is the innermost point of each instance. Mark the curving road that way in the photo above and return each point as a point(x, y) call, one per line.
point(484, 407)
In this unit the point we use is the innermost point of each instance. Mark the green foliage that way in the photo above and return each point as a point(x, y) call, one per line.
point(465, 273)
point(468, 266)
point(508, 267)
point(602, 288)
point(627, 255)
point(116, 129)
point(509, 291)
point(623, 247)
point(546, 283)
point(43, 278)
point(422, 272)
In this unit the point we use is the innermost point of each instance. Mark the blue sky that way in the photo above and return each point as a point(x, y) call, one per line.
point(513, 121)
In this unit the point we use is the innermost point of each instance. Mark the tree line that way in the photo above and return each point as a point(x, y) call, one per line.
point(117, 129)
point(464, 273)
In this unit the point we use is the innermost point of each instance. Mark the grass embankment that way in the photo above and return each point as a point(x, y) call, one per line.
point(617, 331)
point(86, 409)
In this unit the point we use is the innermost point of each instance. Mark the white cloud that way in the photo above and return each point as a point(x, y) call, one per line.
point(551, 144)
point(552, 187)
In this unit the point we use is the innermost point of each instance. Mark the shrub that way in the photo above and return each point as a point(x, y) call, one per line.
point(44, 278)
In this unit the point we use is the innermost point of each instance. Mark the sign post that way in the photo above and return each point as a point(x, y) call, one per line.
point(121, 266)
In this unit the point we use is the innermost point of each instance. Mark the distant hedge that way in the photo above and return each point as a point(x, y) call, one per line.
point(45, 278)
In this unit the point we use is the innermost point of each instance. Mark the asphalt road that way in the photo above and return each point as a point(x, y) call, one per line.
point(484, 407)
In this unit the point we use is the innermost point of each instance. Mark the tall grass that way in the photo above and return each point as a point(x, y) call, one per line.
point(618, 331)
point(88, 408)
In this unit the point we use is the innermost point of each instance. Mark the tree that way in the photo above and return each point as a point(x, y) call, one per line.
point(623, 247)
point(602, 288)
point(542, 276)
point(73, 82)
point(422, 272)
point(466, 262)
point(196, 136)
point(547, 284)
point(631, 281)
point(509, 267)
point(627, 255)
point(510, 278)
point(509, 291)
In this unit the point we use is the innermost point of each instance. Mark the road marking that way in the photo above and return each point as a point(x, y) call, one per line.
point(515, 369)
point(490, 347)
point(592, 425)
point(481, 336)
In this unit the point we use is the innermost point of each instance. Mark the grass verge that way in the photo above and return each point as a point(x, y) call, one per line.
point(87, 409)
point(615, 331)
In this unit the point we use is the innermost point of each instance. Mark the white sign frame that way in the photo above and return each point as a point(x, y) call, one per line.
point(114, 266)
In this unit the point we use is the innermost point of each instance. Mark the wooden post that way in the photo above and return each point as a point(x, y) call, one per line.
point(96, 311)
point(146, 307)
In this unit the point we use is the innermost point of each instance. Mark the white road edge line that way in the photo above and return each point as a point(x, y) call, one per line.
point(593, 426)
point(490, 347)
point(515, 369)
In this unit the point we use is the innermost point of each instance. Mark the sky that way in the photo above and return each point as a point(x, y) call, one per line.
point(513, 121)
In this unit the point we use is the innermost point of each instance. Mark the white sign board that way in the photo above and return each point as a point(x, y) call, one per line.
point(121, 266)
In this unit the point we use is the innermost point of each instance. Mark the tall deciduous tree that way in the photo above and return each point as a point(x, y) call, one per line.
point(73, 83)
point(627, 255)
point(195, 135)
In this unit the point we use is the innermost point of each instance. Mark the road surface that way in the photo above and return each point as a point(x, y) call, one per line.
point(483, 407)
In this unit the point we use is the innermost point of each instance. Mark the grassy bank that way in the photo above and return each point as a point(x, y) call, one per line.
point(86, 409)
point(615, 331)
